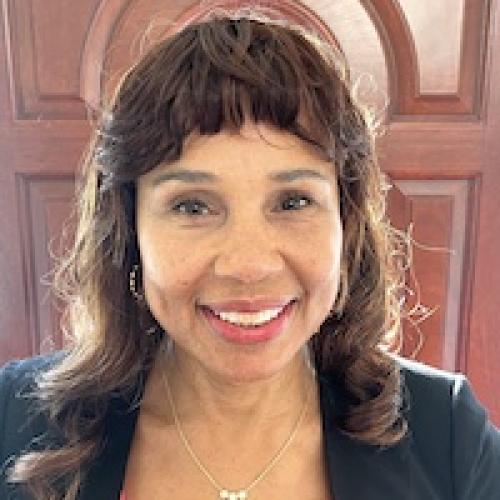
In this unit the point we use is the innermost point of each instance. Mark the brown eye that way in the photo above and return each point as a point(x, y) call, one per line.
point(193, 207)
point(292, 198)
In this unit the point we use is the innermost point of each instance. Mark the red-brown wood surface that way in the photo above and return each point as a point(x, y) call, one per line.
point(440, 150)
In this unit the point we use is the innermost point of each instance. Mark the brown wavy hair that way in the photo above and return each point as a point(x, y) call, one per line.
point(207, 77)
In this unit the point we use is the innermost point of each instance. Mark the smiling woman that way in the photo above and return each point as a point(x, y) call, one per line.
point(232, 293)
point(254, 241)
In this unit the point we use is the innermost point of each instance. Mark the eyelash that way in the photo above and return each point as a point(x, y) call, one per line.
point(288, 196)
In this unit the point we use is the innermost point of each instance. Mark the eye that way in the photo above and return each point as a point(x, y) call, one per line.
point(294, 195)
point(190, 202)
point(196, 207)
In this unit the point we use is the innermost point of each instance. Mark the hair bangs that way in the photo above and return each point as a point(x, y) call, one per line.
point(218, 76)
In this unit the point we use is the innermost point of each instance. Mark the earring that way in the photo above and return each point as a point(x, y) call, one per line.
point(133, 280)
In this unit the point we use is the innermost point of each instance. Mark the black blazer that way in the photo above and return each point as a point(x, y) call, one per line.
point(451, 453)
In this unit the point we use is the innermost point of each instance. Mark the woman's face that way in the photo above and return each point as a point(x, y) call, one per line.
point(241, 235)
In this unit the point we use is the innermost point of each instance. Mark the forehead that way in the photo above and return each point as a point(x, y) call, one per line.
point(255, 150)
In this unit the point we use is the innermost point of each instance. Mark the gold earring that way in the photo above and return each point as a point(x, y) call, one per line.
point(133, 283)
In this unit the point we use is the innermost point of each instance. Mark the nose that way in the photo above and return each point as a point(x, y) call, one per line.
point(248, 255)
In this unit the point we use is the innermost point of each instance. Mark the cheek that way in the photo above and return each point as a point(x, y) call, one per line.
point(322, 278)
point(169, 290)
point(166, 268)
point(321, 273)
point(322, 253)
point(172, 277)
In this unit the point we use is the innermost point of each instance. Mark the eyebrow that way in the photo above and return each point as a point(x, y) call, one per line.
point(199, 176)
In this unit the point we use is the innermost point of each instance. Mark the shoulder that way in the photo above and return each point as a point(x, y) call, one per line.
point(428, 387)
point(437, 397)
point(451, 429)
point(452, 446)
point(18, 379)
point(20, 372)
point(20, 420)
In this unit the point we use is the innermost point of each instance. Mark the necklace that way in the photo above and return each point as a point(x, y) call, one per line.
point(225, 493)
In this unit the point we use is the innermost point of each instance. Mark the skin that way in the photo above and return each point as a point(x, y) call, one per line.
point(242, 241)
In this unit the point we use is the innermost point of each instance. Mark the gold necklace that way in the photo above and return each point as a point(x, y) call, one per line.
point(225, 493)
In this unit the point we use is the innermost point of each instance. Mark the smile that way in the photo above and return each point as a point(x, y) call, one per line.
point(249, 328)
point(250, 319)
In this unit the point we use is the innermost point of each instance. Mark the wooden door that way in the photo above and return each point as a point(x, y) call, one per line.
point(434, 65)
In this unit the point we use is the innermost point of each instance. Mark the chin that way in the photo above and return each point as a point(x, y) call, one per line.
point(250, 372)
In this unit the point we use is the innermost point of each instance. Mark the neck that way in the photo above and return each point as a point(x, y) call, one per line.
point(203, 397)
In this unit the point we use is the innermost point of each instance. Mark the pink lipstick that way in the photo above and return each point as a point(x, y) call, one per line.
point(249, 334)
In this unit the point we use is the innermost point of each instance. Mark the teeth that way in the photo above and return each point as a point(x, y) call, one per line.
point(250, 319)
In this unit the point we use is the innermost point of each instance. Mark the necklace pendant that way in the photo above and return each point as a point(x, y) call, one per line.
point(233, 495)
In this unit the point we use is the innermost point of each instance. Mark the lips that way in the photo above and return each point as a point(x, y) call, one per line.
point(250, 334)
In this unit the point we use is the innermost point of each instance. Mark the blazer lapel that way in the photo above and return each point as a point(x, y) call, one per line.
point(358, 470)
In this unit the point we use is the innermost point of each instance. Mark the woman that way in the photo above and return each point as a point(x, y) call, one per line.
point(231, 293)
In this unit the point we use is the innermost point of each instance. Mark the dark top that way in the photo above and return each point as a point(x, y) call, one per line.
point(451, 453)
